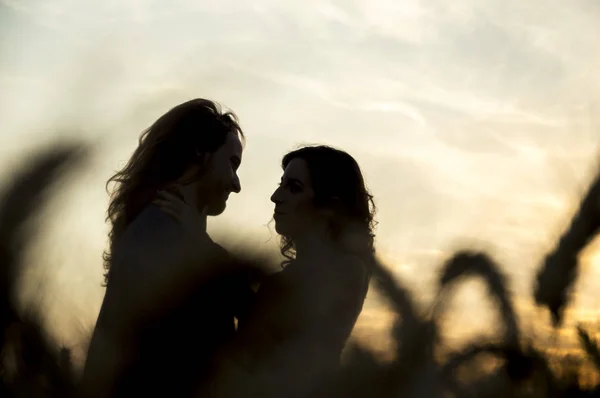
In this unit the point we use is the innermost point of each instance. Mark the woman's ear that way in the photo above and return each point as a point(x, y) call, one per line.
point(332, 208)
point(335, 203)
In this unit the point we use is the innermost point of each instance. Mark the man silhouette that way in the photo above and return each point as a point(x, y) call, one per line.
point(170, 302)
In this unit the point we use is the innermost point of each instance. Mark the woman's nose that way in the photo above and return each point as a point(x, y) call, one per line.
point(276, 197)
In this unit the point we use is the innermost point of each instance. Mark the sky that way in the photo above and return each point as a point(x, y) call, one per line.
point(475, 123)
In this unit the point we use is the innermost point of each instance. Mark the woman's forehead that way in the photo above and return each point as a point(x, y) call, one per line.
point(297, 169)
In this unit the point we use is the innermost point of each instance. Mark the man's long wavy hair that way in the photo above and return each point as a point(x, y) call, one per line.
point(338, 185)
point(182, 137)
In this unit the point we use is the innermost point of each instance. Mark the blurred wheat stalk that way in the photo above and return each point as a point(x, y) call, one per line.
point(34, 366)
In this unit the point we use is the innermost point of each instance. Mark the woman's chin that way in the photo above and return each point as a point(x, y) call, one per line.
point(279, 228)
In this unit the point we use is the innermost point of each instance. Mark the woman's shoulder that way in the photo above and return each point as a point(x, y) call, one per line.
point(349, 269)
point(341, 286)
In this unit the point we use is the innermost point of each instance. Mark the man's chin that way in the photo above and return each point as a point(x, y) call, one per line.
point(216, 209)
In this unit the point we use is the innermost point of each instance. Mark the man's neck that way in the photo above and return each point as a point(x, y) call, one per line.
point(191, 198)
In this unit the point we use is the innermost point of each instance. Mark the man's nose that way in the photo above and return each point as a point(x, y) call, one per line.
point(237, 186)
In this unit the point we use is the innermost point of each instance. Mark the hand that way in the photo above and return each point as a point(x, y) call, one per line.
point(192, 220)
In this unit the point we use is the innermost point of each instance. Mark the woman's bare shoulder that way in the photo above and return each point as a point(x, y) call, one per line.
point(349, 269)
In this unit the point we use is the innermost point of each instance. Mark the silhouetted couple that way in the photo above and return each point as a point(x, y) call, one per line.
point(166, 326)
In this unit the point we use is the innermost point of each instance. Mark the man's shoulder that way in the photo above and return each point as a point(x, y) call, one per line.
point(151, 225)
point(155, 235)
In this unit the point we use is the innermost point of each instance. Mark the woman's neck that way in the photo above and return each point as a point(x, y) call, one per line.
point(314, 244)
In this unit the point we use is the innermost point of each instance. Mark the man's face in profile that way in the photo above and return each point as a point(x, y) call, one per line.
point(220, 177)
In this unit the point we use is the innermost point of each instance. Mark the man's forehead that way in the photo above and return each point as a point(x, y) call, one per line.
point(234, 145)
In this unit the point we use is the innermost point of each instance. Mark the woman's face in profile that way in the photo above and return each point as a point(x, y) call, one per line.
point(294, 210)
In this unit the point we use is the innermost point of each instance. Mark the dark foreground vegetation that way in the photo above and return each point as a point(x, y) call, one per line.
point(32, 365)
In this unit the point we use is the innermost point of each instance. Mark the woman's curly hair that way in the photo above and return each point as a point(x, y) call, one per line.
point(338, 185)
